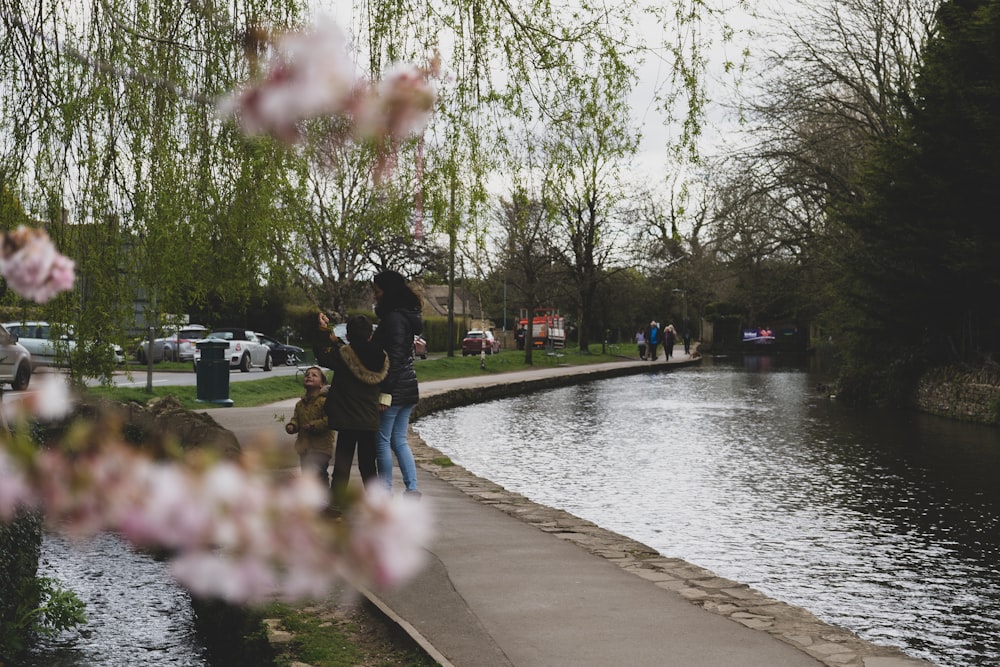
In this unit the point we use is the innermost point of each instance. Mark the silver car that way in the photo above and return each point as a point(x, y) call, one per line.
point(178, 346)
point(15, 361)
point(51, 344)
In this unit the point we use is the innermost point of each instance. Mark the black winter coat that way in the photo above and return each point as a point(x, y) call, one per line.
point(352, 401)
point(395, 335)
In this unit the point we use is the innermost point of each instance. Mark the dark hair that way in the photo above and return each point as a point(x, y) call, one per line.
point(359, 329)
point(396, 293)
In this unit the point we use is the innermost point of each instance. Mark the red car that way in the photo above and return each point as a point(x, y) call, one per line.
point(478, 341)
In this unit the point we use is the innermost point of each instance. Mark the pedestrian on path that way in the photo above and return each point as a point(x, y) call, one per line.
point(640, 340)
point(398, 309)
point(352, 406)
point(313, 437)
point(669, 340)
point(654, 339)
point(687, 340)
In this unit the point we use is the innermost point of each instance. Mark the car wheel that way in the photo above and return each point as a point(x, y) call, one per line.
point(291, 359)
point(140, 355)
point(245, 364)
point(21, 378)
point(268, 365)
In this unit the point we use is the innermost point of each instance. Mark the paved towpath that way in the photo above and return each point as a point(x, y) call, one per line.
point(514, 583)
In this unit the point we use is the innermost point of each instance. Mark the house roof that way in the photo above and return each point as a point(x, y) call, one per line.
point(435, 299)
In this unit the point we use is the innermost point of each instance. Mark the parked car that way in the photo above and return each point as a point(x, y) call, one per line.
point(281, 353)
point(15, 361)
point(476, 341)
point(178, 346)
point(419, 347)
point(245, 349)
point(51, 344)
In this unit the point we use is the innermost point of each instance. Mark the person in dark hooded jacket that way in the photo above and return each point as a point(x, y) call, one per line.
point(398, 310)
point(352, 406)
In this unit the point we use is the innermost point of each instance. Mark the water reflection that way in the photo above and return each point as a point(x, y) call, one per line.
point(136, 614)
point(885, 523)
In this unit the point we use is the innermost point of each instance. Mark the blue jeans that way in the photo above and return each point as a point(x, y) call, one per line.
point(392, 440)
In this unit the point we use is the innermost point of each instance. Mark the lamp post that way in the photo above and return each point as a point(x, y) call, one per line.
point(684, 302)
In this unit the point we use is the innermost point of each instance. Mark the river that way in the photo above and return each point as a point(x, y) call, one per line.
point(882, 522)
point(137, 614)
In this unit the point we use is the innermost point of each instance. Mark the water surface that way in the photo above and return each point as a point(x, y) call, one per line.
point(881, 522)
point(137, 614)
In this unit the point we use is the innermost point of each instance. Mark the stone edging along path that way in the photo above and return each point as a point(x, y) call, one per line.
point(831, 645)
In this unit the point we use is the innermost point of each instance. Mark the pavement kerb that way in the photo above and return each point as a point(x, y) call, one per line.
point(829, 644)
point(405, 626)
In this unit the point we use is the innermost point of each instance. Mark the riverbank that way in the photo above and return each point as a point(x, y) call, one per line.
point(485, 601)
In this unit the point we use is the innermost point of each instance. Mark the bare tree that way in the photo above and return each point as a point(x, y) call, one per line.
point(526, 226)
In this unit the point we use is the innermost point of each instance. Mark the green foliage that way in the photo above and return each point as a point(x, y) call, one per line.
point(436, 334)
point(917, 254)
point(29, 605)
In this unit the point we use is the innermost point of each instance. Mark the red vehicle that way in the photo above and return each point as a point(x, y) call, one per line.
point(548, 328)
point(477, 341)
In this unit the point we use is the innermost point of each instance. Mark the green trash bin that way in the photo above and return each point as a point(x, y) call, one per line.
point(213, 373)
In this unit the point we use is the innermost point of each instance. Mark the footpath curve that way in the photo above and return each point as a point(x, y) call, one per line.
point(511, 583)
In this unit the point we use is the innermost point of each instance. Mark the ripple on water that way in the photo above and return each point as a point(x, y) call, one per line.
point(885, 524)
point(136, 614)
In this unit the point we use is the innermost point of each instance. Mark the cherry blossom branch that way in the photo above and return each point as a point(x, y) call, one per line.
point(32, 266)
point(232, 530)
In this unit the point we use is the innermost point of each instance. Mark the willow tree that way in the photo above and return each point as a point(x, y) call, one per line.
point(513, 65)
point(122, 156)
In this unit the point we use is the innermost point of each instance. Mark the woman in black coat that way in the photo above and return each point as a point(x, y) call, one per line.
point(398, 310)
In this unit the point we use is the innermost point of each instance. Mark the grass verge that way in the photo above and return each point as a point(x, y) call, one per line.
point(272, 389)
point(342, 635)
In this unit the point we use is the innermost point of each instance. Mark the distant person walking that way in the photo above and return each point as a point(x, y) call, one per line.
point(654, 339)
point(352, 406)
point(398, 310)
point(669, 340)
point(313, 437)
point(640, 340)
point(687, 340)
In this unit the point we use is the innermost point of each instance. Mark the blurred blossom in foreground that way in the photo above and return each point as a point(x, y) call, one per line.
point(48, 399)
point(388, 536)
point(32, 266)
point(311, 75)
point(232, 531)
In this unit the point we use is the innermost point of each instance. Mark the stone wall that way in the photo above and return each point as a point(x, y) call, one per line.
point(961, 393)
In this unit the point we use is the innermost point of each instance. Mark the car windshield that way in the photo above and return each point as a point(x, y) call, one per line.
point(474, 334)
point(224, 335)
point(191, 334)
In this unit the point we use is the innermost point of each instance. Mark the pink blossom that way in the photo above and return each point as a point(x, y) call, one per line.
point(32, 266)
point(14, 490)
point(388, 536)
point(237, 532)
point(396, 107)
point(48, 399)
point(310, 75)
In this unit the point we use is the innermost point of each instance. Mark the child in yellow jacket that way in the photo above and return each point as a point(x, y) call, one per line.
point(313, 437)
